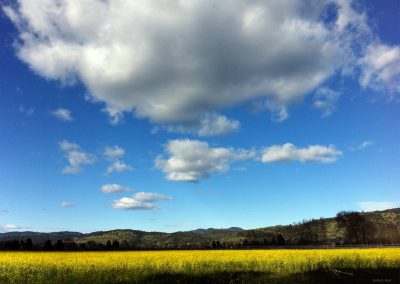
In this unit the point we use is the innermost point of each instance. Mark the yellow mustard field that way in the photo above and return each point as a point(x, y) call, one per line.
point(137, 266)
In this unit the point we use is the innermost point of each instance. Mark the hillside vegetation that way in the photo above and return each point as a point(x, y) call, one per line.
point(379, 227)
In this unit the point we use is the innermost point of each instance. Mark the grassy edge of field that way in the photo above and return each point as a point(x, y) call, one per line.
point(313, 277)
point(359, 276)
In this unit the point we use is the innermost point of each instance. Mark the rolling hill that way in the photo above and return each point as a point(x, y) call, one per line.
point(325, 231)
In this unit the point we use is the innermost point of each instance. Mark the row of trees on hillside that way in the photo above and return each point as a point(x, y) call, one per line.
point(358, 229)
point(60, 245)
point(347, 228)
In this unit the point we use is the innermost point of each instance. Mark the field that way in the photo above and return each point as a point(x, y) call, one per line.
point(217, 266)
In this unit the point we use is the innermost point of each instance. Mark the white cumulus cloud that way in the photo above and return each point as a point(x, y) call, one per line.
point(139, 201)
point(77, 158)
point(174, 61)
point(62, 114)
point(290, 153)
point(114, 188)
point(192, 160)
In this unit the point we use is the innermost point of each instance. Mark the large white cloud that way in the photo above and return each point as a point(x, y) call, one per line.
point(191, 160)
point(174, 61)
point(289, 153)
point(140, 201)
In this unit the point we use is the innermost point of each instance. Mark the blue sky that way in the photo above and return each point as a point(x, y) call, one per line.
point(179, 115)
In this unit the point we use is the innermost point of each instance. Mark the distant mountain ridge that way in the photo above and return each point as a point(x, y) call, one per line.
point(319, 231)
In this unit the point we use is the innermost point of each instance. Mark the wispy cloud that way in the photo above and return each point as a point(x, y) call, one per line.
point(62, 114)
point(67, 204)
point(380, 67)
point(326, 100)
point(377, 205)
point(26, 111)
point(10, 227)
point(365, 145)
point(362, 146)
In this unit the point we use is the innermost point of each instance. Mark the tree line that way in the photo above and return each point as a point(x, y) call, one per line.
point(347, 228)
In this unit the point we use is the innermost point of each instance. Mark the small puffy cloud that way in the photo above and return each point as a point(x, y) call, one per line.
point(118, 166)
point(114, 152)
point(192, 160)
point(381, 68)
point(290, 153)
point(77, 158)
point(67, 204)
point(150, 196)
point(325, 100)
point(377, 205)
point(114, 188)
point(139, 201)
point(62, 114)
point(10, 227)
